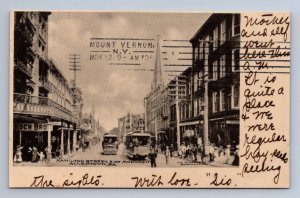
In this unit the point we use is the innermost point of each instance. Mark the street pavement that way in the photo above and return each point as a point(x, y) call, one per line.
point(94, 157)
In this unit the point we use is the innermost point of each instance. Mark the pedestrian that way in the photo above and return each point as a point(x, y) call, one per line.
point(171, 150)
point(41, 156)
point(182, 150)
point(34, 157)
point(227, 153)
point(162, 147)
point(54, 148)
point(188, 152)
point(18, 155)
point(201, 152)
point(236, 160)
point(152, 156)
point(195, 152)
point(167, 154)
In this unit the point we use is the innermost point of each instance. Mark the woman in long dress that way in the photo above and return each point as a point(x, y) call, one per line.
point(18, 155)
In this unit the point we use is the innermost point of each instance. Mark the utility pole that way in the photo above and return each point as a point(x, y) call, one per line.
point(177, 112)
point(94, 120)
point(145, 117)
point(205, 117)
point(74, 63)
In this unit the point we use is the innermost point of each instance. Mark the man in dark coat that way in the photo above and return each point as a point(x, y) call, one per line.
point(152, 156)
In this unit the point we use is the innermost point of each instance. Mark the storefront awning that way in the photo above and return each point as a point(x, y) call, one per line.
point(24, 118)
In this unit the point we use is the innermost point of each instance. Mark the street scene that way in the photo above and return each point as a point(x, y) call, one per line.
point(112, 89)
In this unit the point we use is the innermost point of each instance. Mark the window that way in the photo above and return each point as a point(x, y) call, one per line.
point(216, 37)
point(195, 108)
point(200, 80)
point(222, 100)
point(215, 70)
point(235, 60)
point(235, 90)
point(222, 67)
point(190, 110)
point(198, 107)
point(31, 15)
point(201, 105)
point(223, 31)
point(236, 19)
point(196, 52)
point(196, 79)
point(215, 102)
point(201, 50)
point(206, 51)
point(181, 112)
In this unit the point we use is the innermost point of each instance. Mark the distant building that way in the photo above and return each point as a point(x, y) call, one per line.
point(131, 122)
point(157, 107)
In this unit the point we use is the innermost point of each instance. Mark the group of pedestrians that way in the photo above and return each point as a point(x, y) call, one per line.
point(190, 151)
point(187, 152)
point(30, 153)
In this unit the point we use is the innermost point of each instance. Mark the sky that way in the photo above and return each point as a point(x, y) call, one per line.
point(118, 87)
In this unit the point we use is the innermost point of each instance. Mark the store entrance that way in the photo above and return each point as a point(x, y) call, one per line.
point(33, 139)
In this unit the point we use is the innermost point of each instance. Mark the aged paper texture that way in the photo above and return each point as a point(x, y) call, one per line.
point(149, 99)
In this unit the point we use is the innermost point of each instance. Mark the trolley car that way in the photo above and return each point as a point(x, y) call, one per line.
point(138, 144)
point(110, 144)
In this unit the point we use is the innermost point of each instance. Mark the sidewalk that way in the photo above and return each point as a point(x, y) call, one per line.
point(54, 160)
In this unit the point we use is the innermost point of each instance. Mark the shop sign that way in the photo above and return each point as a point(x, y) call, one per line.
point(56, 123)
point(232, 122)
point(189, 133)
point(32, 126)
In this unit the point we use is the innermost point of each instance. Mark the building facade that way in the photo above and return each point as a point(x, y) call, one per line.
point(43, 101)
point(190, 108)
point(216, 79)
point(157, 106)
point(201, 104)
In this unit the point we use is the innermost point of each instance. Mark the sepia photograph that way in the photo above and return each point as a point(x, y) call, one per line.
point(167, 99)
point(198, 93)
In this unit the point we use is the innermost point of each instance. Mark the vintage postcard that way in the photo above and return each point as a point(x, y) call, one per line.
point(102, 99)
